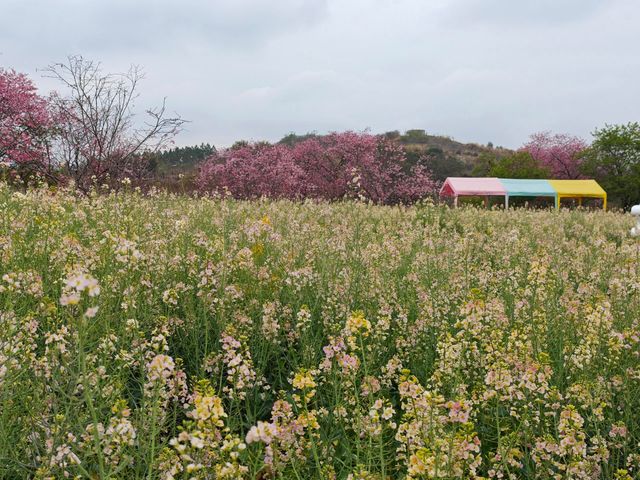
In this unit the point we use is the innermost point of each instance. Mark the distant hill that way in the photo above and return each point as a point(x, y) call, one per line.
point(445, 156)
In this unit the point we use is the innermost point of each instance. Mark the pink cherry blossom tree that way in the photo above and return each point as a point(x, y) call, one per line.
point(253, 171)
point(559, 153)
point(330, 167)
point(24, 121)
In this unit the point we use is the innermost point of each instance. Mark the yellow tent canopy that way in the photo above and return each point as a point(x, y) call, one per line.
point(579, 189)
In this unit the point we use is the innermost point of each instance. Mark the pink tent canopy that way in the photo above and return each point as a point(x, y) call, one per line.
point(455, 186)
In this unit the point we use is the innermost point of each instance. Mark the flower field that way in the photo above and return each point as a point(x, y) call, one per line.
point(168, 337)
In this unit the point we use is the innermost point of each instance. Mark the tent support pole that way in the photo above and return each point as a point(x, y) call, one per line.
point(506, 202)
point(455, 201)
point(486, 201)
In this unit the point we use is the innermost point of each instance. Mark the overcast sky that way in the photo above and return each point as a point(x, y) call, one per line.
point(476, 70)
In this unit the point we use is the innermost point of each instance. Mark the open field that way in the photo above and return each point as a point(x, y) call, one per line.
point(166, 337)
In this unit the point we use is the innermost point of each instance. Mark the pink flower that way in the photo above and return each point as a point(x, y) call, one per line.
point(618, 430)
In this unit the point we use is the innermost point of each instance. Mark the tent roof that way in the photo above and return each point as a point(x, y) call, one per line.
point(512, 187)
point(578, 188)
point(472, 186)
point(527, 188)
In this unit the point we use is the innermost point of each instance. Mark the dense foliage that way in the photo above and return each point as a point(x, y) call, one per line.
point(164, 337)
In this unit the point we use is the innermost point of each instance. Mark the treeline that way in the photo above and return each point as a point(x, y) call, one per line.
point(612, 158)
point(182, 159)
point(88, 134)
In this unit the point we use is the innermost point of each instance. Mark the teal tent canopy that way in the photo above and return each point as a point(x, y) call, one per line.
point(515, 187)
point(527, 188)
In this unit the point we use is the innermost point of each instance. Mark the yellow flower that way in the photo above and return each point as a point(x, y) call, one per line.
point(303, 379)
point(207, 406)
point(356, 323)
point(622, 475)
point(308, 420)
point(257, 249)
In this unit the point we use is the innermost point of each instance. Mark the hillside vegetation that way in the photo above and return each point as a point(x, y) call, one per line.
point(444, 152)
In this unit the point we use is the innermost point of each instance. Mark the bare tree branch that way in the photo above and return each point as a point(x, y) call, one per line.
point(100, 138)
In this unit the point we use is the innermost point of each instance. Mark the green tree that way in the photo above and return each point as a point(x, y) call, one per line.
point(292, 139)
point(517, 165)
point(178, 159)
point(614, 160)
point(483, 164)
point(441, 165)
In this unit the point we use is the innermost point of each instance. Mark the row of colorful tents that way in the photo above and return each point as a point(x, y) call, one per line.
point(509, 187)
